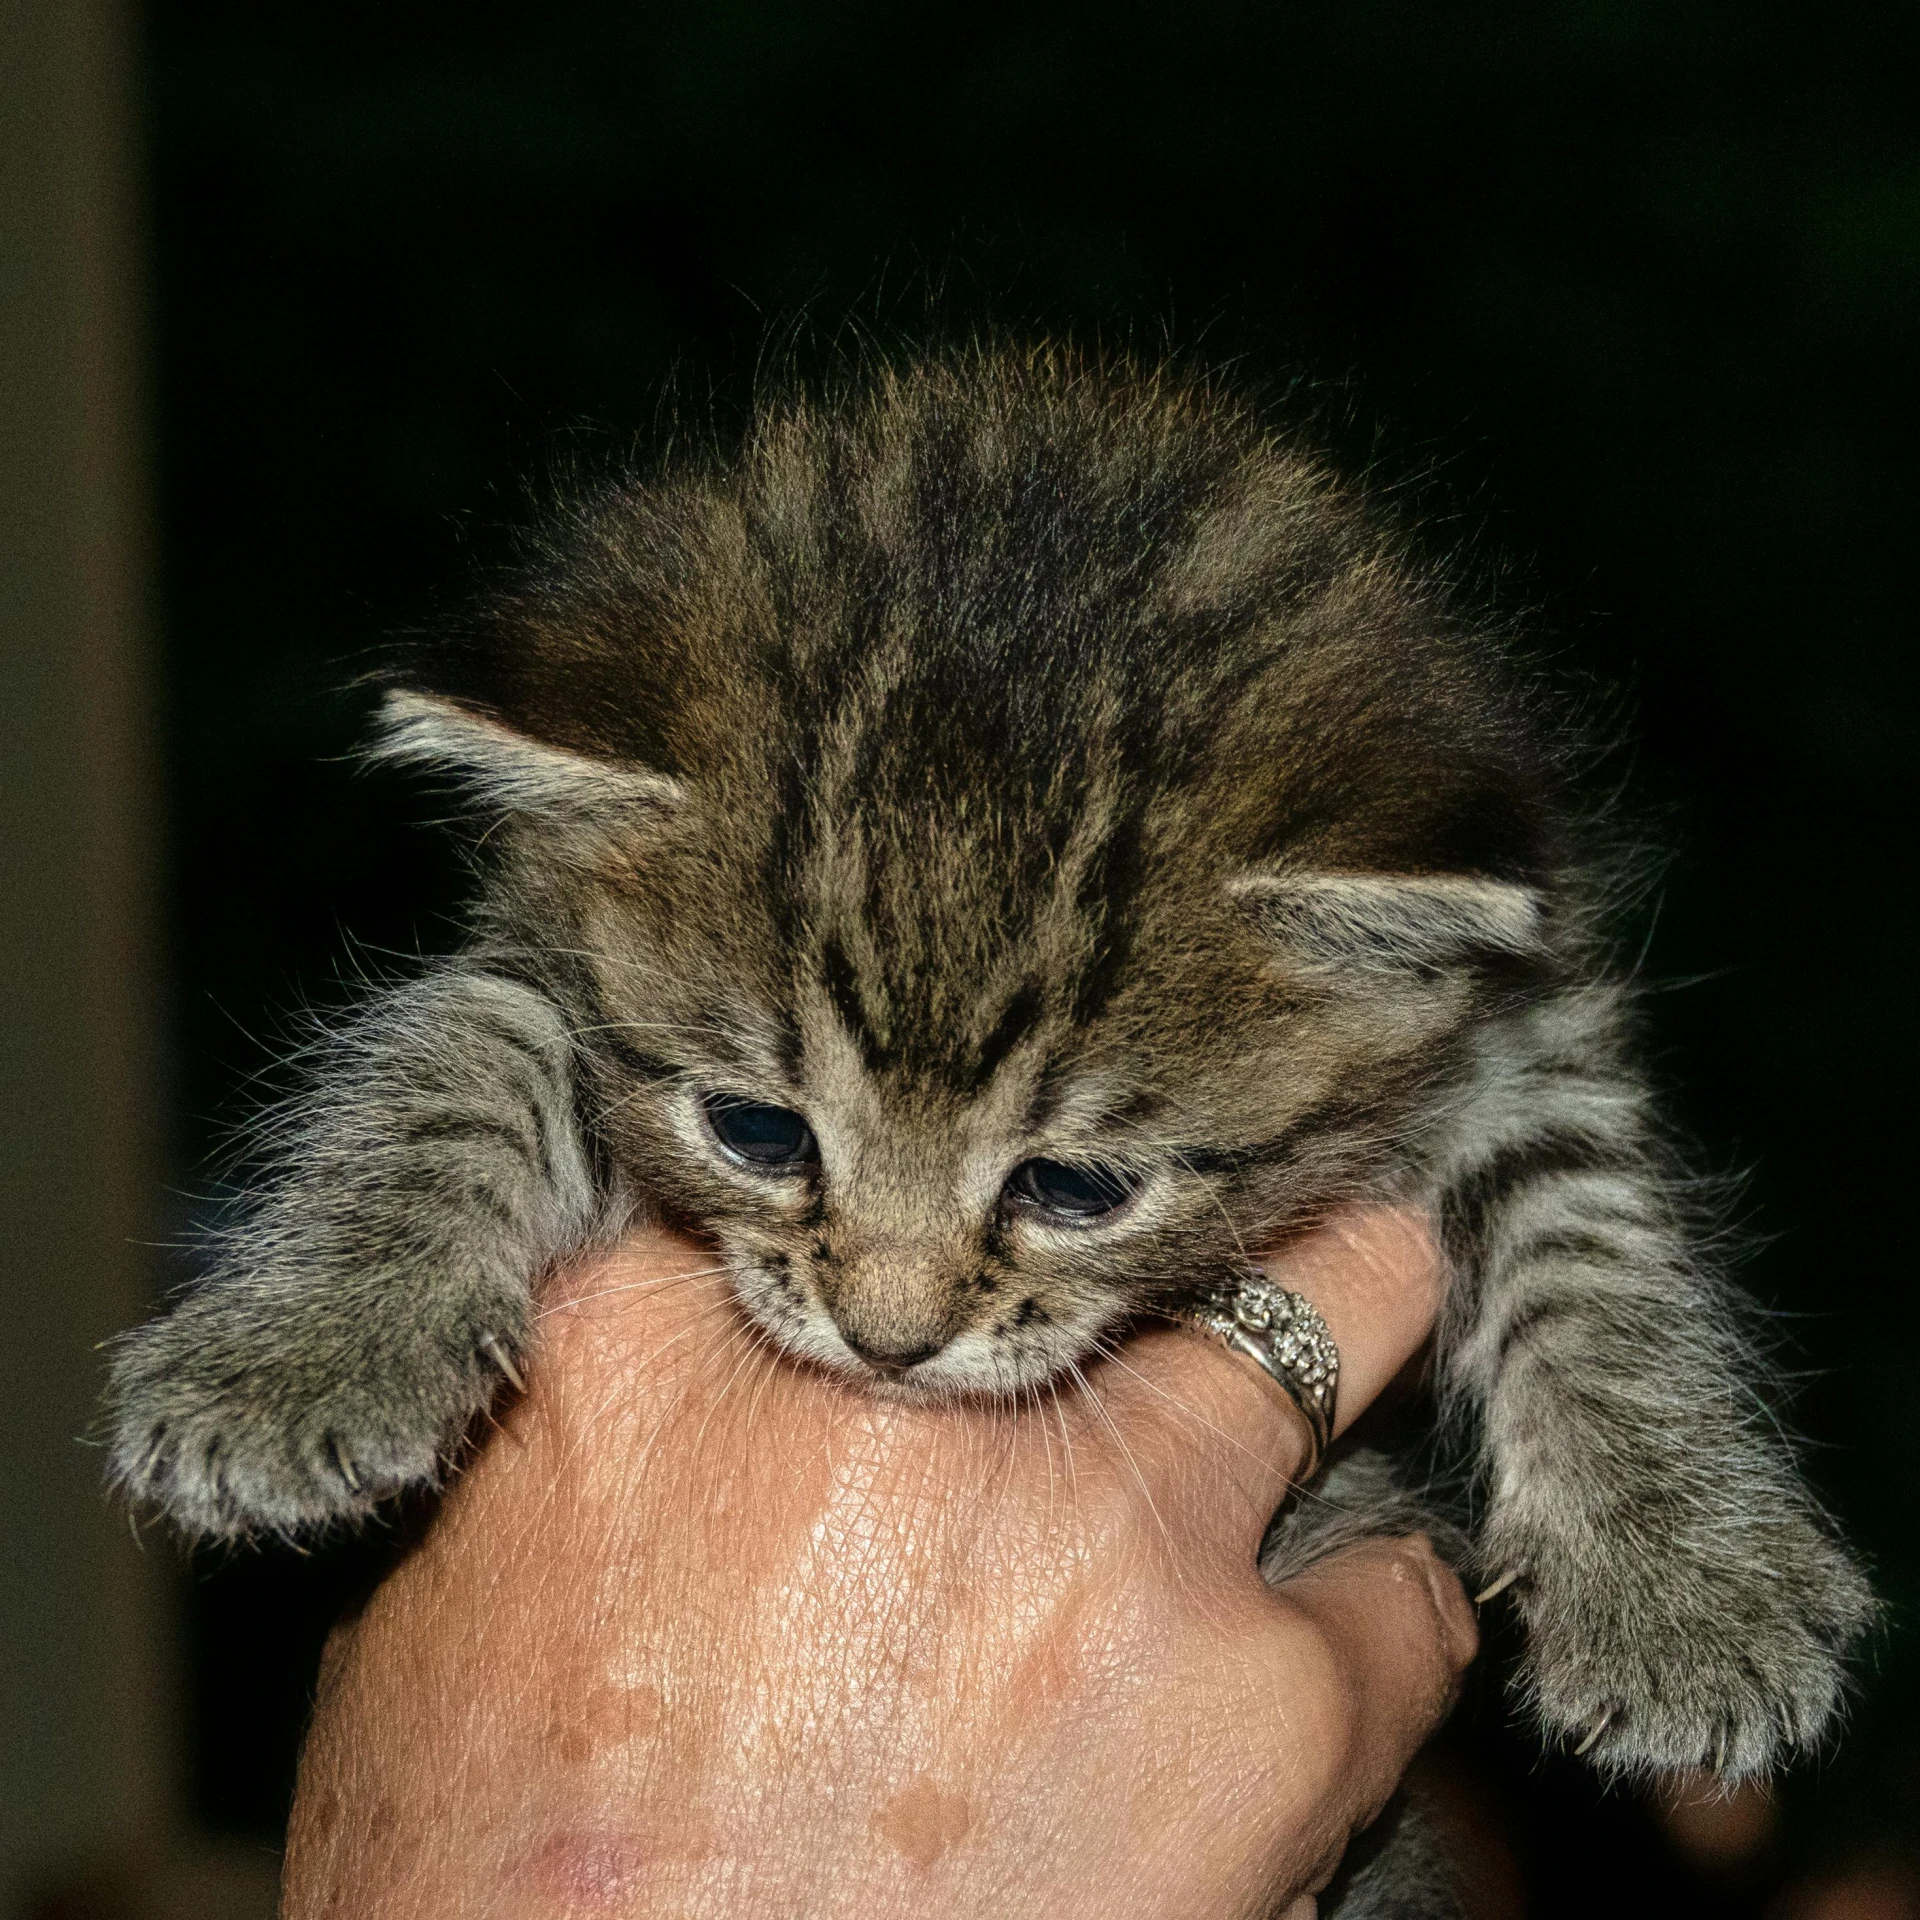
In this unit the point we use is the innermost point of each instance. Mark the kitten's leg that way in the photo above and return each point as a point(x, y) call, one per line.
point(1396, 1870)
point(1684, 1600)
point(1359, 1497)
point(376, 1293)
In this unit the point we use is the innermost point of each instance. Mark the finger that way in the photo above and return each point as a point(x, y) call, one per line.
point(1374, 1272)
point(1377, 1277)
point(1383, 1632)
point(1211, 1430)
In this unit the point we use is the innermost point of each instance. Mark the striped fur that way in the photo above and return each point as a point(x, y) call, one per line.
point(1018, 757)
point(373, 1299)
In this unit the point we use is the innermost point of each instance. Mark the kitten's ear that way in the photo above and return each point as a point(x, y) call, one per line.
point(510, 771)
point(1391, 922)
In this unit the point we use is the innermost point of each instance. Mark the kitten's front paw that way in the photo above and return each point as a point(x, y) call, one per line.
point(236, 1420)
point(1732, 1660)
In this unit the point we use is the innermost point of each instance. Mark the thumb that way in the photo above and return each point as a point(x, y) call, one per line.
point(1387, 1631)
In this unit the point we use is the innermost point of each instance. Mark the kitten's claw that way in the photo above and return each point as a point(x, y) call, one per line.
point(1592, 1740)
point(296, 1447)
point(498, 1354)
point(1506, 1580)
point(341, 1460)
point(1709, 1657)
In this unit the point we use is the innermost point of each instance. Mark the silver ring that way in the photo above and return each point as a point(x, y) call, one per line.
point(1287, 1337)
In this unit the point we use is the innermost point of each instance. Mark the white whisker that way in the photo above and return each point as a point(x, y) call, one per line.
point(654, 1283)
point(1126, 1452)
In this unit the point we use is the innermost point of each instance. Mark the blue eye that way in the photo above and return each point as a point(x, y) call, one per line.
point(1075, 1193)
point(769, 1139)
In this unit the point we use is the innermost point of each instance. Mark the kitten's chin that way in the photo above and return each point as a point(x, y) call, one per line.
point(972, 1367)
point(931, 1385)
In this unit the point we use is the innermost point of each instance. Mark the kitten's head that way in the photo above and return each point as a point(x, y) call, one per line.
point(1015, 839)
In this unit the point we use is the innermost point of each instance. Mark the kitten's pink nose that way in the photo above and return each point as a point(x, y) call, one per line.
point(889, 1359)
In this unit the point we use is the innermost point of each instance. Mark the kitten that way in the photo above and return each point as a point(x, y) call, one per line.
point(1003, 842)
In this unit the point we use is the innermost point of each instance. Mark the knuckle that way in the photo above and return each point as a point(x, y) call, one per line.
point(1324, 1709)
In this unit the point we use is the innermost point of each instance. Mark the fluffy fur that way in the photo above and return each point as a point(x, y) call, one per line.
point(1018, 758)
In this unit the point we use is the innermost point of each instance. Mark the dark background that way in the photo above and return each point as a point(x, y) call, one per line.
point(1628, 290)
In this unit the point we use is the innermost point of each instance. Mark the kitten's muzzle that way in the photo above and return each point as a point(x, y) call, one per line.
point(895, 1308)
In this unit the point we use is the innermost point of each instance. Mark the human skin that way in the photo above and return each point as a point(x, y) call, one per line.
point(702, 1632)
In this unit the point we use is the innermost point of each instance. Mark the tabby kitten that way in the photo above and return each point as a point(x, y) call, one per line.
point(996, 846)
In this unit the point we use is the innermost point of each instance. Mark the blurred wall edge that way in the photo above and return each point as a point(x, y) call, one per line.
point(87, 1761)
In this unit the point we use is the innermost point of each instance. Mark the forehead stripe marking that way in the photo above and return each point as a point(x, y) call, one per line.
point(1017, 1019)
point(1106, 896)
point(843, 989)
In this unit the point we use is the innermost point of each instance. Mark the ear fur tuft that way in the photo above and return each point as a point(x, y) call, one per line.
point(507, 770)
point(1391, 922)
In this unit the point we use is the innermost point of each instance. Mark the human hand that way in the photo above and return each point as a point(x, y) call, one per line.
point(710, 1633)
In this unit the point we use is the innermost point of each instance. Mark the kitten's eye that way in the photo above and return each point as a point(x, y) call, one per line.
point(1078, 1193)
point(775, 1139)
